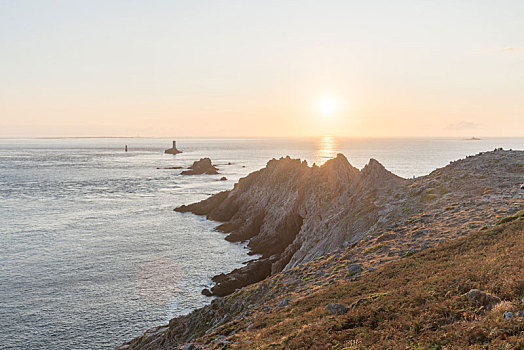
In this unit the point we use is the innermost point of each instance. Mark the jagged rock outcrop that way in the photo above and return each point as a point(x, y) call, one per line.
point(238, 278)
point(202, 166)
point(295, 213)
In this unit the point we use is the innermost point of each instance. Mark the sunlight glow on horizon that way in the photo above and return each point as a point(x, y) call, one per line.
point(328, 105)
point(216, 69)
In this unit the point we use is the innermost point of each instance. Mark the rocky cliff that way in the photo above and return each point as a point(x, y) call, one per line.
point(292, 213)
point(319, 225)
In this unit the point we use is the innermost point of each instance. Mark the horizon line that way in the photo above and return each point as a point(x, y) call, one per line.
point(480, 138)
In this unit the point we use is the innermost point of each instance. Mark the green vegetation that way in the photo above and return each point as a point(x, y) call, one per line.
point(368, 299)
point(516, 216)
point(374, 248)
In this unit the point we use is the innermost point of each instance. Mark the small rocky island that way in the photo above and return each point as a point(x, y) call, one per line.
point(202, 166)
point(375, 260)
point(172, 150)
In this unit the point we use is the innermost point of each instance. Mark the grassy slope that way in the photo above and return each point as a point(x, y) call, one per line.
point(415, 303)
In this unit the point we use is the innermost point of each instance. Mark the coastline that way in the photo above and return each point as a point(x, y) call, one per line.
point(425, 212)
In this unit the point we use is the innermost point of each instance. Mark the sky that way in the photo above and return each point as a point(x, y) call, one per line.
point(261, 68)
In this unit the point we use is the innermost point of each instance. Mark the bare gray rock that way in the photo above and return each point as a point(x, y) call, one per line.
point(283, 208)
point(354, 270)
point(480, 298)
point(336, 309)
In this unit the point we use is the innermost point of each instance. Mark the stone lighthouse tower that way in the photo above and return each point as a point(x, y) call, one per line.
point(173, 150)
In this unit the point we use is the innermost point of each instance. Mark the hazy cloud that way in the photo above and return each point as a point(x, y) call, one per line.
point(510, 50)
point(462, 125)
point(497, 51)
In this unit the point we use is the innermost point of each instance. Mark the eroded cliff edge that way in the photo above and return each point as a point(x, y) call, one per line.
point(292, 213)
point(368, 218)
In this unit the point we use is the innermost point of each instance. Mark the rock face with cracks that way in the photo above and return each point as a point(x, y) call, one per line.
point(292, 213)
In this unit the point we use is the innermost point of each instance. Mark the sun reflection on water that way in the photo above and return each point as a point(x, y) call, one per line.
point(327, 149)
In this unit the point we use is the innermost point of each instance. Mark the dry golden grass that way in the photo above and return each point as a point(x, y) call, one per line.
point(415, 303)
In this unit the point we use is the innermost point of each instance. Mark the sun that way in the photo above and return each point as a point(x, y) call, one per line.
point(327, 105)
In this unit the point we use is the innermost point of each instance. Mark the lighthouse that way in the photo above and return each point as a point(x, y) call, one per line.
point(173, 150)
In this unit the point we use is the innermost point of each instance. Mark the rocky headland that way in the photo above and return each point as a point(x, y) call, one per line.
point(293, 213)
point(319, 228)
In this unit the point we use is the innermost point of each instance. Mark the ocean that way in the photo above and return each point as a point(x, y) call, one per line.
point(92, 253)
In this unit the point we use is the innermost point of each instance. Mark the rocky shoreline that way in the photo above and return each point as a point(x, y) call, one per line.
point(282, 209)
point(314, 226)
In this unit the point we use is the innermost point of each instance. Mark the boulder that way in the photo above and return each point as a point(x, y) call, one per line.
point(480, 298)
point(507, 315)
point(336, 309)
point(354, 270)
point(202, 166)
point(253, 272)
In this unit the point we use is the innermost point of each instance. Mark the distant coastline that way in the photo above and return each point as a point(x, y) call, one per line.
point(266, 137)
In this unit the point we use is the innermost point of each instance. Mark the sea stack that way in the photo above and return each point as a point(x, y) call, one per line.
point(202, 166)
point(173, 150)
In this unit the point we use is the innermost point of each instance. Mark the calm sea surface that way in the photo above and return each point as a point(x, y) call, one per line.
point(91, 252)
